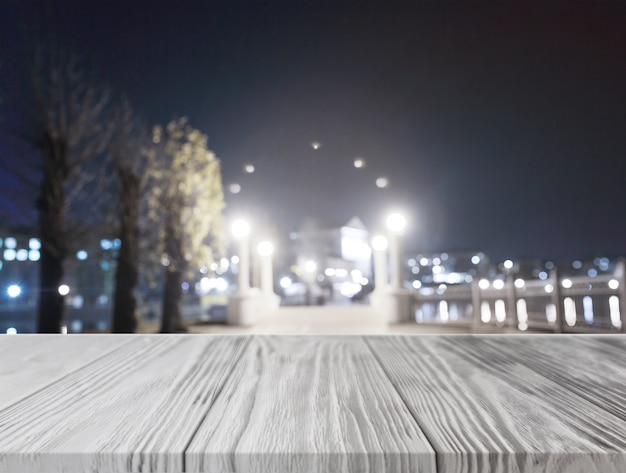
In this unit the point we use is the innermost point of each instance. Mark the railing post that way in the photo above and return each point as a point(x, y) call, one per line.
point(620, 275)
point(476, 305)
point(556, 300)
point(511, 301)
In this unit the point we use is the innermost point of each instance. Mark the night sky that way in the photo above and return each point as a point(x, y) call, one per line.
point(499, 127)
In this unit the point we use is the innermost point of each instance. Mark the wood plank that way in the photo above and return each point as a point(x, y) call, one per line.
point(31, 362)
point(309, 404)
point(488, 413)
point(584, 365)
point(133, 410)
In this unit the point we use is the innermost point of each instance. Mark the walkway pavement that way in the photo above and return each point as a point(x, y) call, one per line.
point(335, 320)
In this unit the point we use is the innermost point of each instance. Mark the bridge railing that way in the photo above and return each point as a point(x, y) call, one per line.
point(559, 304)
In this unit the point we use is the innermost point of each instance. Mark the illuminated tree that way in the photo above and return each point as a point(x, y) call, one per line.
point(71, 133)
point(187, 202)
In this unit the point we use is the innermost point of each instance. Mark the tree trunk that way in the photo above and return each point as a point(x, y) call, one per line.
point(51, 303)
point(51, 204)
point(127, 272)
point(171, 320)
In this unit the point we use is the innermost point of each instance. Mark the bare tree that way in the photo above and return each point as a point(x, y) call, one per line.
point(71, 133)
point(187, 201)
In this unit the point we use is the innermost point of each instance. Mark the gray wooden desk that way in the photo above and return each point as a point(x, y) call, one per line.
point(216, 403)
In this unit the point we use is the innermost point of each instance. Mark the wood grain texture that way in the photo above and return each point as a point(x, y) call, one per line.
point(133, 410)
point(308, 404)
point(484, 408)
point(31, 362)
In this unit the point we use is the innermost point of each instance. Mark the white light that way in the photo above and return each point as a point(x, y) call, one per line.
point(9, 255)
point(21, 255)
point(11, 331)
point(570, 311)
point(424, 261)
point(475, 259)
point(349, 289)
point(224, 263)
point(443, 311)
point(498, 284)
point(10, 242)
point(310, 266)
point(500, 310)
point(549, 288)
point(359, 163)
point(285, 282)
point(234, 259)
point(249, 168)
point(364, 281)
point(316, 144)
point(64, 289)
point(588, 309)
point(520, 283)
point(613, 284)
point(106, 244)
point(64, 329)
point(437, 269)
point(566, 283)
point(379, 243)
point(240, 229)
point(265, 248)
point(485, 312)
point(614, 311)
point(417, 284)
point(165, 261)
point(357, 275)
point(34, 255)
point(14, 291)
point(330, 272)
point(221, 284)
point(483, 284)
point(442, 288)
point(341, 272)
point(382, 182)
point(234, 188)
point(396, 223)
point(34, 244)
point(508, 264)
point(522, 312)
point(81, 255)
point(551, 313)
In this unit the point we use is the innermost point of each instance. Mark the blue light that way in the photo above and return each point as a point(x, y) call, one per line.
point(106, 244)
point(81, 255)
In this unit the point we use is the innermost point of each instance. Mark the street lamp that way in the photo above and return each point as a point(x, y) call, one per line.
point(396, 224)
point(240, 230)
point(271, 300)
point(242, 305)
point(379, 245)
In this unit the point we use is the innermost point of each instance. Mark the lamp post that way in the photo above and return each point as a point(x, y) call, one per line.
point(241, 231)
point(379, 245)
point(271, 300)
point(395, 224)
point(394, 299)
point(242, 305)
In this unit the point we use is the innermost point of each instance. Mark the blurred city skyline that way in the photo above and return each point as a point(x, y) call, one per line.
point(498, 127)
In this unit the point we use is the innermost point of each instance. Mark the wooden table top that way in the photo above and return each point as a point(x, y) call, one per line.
point(294, 403)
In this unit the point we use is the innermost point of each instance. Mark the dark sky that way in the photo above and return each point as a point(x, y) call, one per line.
point(500, 126)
